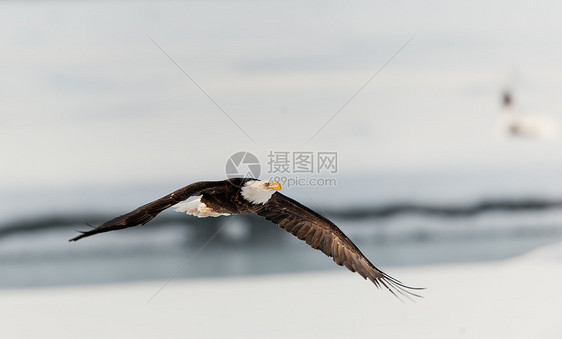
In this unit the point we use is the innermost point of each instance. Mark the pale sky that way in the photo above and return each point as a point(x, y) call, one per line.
point(86, 97)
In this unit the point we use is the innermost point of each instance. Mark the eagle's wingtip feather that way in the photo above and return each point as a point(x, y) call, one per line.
point(78, 237)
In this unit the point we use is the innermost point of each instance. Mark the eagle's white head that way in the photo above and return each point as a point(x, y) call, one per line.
point(259, 191)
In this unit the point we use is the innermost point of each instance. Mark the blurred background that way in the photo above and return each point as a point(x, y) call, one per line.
point(449, 155)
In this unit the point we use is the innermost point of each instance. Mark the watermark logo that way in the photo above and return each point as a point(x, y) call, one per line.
point(243, 164)
point(289, 168)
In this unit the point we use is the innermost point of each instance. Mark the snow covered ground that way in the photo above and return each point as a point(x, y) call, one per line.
point(516, 298)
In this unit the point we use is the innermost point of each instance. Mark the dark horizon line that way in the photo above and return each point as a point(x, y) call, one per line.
point(47, 222)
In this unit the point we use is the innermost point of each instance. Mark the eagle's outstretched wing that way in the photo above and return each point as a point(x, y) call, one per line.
point(145, 213)
point(323, 235)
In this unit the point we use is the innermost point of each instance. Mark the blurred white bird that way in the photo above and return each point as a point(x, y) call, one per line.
point(517, 125)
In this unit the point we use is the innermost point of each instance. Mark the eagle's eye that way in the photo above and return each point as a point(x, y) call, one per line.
point(273, 185)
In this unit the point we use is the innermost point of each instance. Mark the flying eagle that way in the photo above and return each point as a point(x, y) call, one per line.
point(245, 196)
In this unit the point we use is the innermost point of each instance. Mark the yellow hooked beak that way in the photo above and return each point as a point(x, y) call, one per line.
point(275, 186)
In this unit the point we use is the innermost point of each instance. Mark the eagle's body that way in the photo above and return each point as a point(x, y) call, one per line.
point(232, 197)
point(246, 196)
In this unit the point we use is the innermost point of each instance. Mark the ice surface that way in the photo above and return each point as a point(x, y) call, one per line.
point(505, 299)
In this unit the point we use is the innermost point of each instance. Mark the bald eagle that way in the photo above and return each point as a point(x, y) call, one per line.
point(246, 196)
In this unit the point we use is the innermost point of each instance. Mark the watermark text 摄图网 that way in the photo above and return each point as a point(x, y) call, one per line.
point(281, 162)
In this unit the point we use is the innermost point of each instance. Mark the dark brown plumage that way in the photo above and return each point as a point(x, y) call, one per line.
point(226, 197)
point(321, 234)
point(211, 191)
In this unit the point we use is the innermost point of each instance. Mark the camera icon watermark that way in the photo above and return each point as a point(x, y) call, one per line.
point(242, 164)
